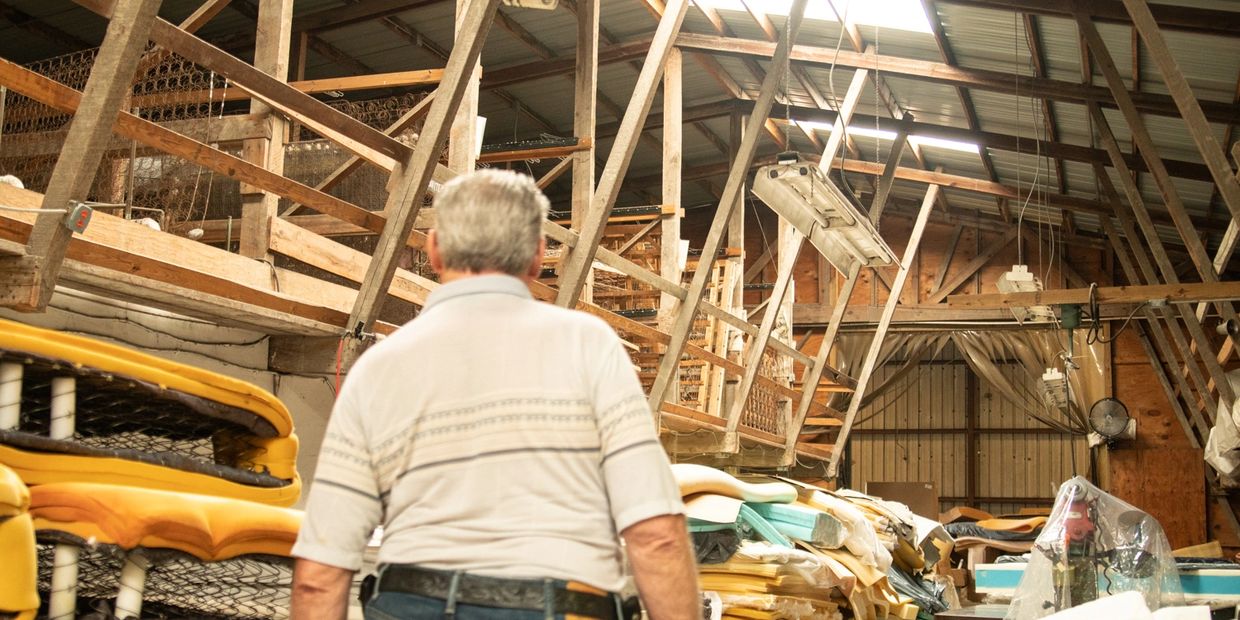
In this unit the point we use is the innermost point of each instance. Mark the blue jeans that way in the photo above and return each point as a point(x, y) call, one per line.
point(401, 606)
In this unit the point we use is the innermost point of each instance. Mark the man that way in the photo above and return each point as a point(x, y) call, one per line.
point(502, 442)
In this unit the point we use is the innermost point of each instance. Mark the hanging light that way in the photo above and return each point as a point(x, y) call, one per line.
point(800, 193)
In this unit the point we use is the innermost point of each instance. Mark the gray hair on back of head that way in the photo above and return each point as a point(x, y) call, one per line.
point(490, 220)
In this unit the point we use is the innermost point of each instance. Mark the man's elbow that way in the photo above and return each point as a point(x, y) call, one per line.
point(658, 535)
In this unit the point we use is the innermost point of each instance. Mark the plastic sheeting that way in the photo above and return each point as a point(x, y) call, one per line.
point(1095, 546)
point(1223, 446)
point(1034, 350)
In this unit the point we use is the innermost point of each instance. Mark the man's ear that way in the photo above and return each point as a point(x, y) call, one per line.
point(432, 251)
point(537, 263)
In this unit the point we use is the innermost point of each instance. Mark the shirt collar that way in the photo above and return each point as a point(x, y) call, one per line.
point(491, 284)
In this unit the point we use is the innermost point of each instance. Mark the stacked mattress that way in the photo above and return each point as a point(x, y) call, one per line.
point(156, 489)
point(775, 548)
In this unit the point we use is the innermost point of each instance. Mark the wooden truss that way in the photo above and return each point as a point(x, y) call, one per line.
point(246, 289)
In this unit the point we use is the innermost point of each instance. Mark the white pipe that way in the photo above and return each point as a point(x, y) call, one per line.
point(132, 584)
point(64, 407)
point(10, 395)
point(63, 601)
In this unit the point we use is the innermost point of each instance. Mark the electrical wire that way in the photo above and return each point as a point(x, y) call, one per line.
point(1095, 330)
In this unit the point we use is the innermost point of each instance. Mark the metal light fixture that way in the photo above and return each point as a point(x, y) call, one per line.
point(1019, 280)
point(800, 193)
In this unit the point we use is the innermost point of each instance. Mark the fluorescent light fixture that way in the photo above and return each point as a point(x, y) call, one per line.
point(897, 14)
point(1019, 280)
point(881, 134)
point(803, 195)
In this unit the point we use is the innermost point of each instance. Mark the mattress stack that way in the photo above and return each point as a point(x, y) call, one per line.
point(156, 489)
point(775, 548)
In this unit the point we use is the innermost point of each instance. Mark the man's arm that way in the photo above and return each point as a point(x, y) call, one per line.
point(663, 566)
point(320, 590)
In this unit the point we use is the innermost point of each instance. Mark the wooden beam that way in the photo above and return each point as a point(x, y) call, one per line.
point(812, 375)
point(788, 252)
point(540, 69)
point(409, 185)
point(554, 173)
point(941, 275)
point(1198, 127)
point(585, 107)
point(300, 244)
point(463, 135)
point(727, 205)
point(90, 132)
point(406, 120)
point(880, 332)
point(887, 180)
point(576, 267)
point(220, 130)
point(1172, 17)
point(340, 17)
point(65, 99)
point(991, 251)
point(669, 227)
point(1170, 293)
point(942, 73)
point(271, 54)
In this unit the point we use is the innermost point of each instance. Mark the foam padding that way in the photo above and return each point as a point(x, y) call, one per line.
point(693, 479)
point(14, 496)
point(19, 578)
point(79, 352)
point(1025, 525)
point(209, 528)
point(37, 468)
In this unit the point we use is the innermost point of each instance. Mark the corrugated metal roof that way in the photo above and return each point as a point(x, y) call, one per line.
point(981, 39)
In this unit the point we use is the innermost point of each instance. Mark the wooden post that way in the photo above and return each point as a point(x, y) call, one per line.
point(577, 267)
point(271, 55)
point(89, 134)
point(410, 183)
point(585, 117)
point(1204, 346)
point(669, 225)
point(886, 182)
point(1198, 127)
point(463, 141)
point(880, 331)
point(789, 249)
point(814, 371)
point(732, 191)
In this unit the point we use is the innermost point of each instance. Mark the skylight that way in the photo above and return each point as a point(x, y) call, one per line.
point(896, 14)
point(870, 132)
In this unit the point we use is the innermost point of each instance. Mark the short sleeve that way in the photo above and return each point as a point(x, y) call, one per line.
point(344, 505)
point(636, 472)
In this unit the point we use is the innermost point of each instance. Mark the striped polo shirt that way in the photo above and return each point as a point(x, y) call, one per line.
point(493, 434)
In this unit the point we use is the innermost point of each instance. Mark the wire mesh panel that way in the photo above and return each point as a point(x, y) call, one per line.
point(178, 585)
point(136, 420)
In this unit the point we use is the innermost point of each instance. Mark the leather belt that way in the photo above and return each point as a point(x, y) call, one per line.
point(504, 593)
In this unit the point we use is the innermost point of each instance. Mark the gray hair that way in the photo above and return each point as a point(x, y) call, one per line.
point(490, 220)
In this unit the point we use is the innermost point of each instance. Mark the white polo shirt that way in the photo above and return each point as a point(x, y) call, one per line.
point(493, 434)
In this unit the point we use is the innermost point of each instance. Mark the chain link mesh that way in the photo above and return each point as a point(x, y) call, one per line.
point(178, 585)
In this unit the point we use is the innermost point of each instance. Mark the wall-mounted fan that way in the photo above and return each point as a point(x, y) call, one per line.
point(1109, 417)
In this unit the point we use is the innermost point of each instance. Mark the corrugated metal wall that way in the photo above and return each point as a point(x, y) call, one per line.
point(918, 431)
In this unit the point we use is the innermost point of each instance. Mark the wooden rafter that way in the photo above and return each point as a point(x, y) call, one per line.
point(409, 185)
point(880, 331)
point(966, 99)
point(727, 205)
point(90, 132)
point(578, 264)
point(1171, 17)
point(942, 73)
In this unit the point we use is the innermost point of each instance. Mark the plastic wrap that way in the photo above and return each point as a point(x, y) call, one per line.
point(1094, 546)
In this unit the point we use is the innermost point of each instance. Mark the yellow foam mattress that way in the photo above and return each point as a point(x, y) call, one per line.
point(39, 468)
point(18, 585)
point(209, 528)
point(80, 352)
